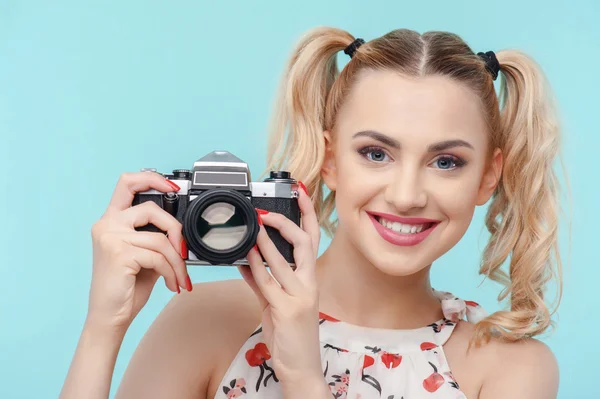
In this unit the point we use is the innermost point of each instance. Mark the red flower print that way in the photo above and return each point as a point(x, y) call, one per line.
point(425, 346)
point(240, 383)
point(368, 361)
point(391, 360)
point(324, 316)
point(434, 381)
point(234, 393)
point(340, 389)
point(471, 303)
point(238, 388)
point(339, 386)
point(257, 356)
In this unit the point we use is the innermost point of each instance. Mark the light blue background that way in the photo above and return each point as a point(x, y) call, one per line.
point(90, 89)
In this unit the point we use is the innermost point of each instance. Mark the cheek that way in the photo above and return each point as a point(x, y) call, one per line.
point(456, 198)
point(355, 184)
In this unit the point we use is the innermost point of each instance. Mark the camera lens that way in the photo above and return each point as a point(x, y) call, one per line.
point(220, 226)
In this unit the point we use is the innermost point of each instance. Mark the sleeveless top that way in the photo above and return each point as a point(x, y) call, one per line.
point(363, 362)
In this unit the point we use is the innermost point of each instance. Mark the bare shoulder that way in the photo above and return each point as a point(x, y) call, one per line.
point(523, 369)
point(181, 351)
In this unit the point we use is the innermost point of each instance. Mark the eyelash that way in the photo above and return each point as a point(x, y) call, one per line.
point(366, 150)
point(458, 162)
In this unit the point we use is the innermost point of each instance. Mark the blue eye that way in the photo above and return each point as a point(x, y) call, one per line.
point(449, 163)
point(374, 154)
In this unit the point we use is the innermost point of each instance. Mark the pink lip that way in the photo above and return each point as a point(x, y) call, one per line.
point(398, 238)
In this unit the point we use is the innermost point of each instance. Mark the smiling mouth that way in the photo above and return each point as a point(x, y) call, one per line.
point(403, 228)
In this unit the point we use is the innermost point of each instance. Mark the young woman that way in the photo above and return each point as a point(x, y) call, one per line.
point(403, 144)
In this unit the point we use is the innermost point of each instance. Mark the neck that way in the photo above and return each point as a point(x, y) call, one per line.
point(353, 290)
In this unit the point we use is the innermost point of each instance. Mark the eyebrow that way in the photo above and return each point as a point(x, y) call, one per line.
point(391, 142)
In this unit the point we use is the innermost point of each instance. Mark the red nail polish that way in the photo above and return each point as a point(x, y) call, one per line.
point(184, 250)
point(188, 283)
point(258, 213)
point(178, 290)
point(256, 247)
point(175, 186)
point(303, 187)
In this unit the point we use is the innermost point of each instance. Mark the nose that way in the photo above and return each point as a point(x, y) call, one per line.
point(406, 190)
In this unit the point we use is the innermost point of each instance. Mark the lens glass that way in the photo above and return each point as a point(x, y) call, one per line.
point(221, 226)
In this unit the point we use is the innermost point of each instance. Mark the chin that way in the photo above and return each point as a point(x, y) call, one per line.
point(395, 263)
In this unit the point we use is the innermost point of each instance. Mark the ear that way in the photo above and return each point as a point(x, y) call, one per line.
point(490, 178)
point(328, 169)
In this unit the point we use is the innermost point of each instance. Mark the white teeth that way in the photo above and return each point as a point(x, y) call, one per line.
point(402, 227)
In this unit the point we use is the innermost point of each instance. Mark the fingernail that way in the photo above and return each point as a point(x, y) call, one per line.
point(175, 186)
point(260, 212)
point(188, 283)
point(255, 248)
point(178, 290)
point(303, 187)
point(184, 251)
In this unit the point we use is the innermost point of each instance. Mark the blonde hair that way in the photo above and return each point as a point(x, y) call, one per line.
point(523, 215)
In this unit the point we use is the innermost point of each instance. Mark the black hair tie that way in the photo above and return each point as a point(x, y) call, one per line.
point(491, 63)
point(351, 49)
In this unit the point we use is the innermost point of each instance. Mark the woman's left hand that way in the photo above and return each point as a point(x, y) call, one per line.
point(290, 317)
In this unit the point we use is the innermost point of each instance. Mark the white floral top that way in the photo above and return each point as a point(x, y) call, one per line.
point(363, 362)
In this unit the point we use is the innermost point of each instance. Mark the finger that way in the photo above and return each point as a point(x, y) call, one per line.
point(277, 264)
point(150, 213)
point(131, 183)
point(310, 221)
point(158, 242)
point(268, 287)
point(147, 259)
point(246, 273)
point(292, 233)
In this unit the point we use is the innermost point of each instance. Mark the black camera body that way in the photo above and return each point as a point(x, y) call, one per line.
point(217, 208)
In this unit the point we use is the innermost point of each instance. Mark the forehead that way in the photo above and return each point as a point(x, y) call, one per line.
point(431, 108)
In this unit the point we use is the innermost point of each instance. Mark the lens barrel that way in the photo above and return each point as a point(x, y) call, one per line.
point(220, 226)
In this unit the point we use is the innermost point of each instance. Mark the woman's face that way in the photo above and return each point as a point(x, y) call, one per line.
point(407, 161)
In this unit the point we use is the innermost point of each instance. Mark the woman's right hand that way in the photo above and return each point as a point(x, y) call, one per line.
point(127, 262)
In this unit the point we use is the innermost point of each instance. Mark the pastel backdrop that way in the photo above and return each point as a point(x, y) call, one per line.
point(90, 89)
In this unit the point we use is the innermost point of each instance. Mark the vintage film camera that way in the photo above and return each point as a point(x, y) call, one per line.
point(216, 206)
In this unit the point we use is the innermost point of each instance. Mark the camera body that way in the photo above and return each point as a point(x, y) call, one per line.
point(217, 208)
